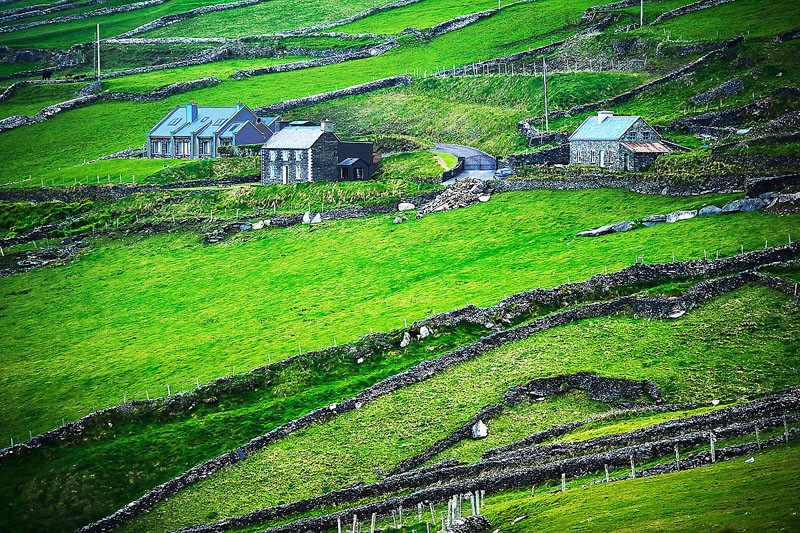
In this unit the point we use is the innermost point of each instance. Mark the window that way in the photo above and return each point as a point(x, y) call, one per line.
point(219, 122)
point(611, 157)
point(285, 175)
point(645, 135)
point(204, 119)
point(359, 173)
point(174, 122)
point(297, 172)
point(273, 171)
point(273, 155)
point(155, 147)
point(298, 155)
point(286, 155)
point(205, 147)
point(165, 147)
point(593, 157)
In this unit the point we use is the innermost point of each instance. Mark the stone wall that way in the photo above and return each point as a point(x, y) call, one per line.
point(79, 16)
point(558, 155)
point(689, 8)
point(81, 101)
point(534, 465)
point(281, 107)
point(505, 311)
point(530, 132)
point(321, 62)
point(10, 15)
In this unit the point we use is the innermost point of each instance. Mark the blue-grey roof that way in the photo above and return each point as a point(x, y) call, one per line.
point(295, 138)
point(210, 120)
point(610, 129)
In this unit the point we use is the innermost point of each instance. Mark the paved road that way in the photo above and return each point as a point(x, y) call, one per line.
point(477, 164)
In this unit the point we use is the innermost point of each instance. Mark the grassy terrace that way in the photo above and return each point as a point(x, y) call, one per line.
point(724, 361)
point(266, 17)
point(479, 111)
point(422, 15)
point(507, 32)
point(727, 496)
point(63, 35)
point(204, 328)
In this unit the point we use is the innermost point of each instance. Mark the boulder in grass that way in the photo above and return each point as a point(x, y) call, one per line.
point(653, 220)
point(479, 430)
point(681, 215)
point(709, 210)
point(744, 205)
point(621, 227)
point(596, 232)
point(406, 340)
point(405, 206)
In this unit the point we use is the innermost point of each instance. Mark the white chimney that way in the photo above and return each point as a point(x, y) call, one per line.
point(327, 126)
point(602, 115)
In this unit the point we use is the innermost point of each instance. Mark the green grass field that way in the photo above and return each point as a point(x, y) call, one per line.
point(201, 329)
point(266, 17)
point(491, 37)
point(728, 496)
point(422, 15)
point(724, 363)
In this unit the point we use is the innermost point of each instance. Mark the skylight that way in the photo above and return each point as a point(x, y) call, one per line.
point(220, 122)
point(174, 122)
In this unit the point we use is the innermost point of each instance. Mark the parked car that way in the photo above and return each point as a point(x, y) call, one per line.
point(503, 172)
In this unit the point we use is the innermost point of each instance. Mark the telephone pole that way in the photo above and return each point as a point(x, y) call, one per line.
point(544, 81)
point(98, 52)
point(641, 13)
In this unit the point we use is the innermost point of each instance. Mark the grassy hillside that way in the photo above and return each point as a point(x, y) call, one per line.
point(728, 496)
point(723, 361)
point(480, 111)
point(421, 15)
point(491, 37)
point(190, 324)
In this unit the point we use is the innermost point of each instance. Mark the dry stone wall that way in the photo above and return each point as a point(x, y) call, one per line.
point(79, 16)
point(81, 101)
point(648, 307)
point(690, 8)
point(281, 107)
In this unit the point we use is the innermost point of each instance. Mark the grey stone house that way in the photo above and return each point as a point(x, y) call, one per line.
point(617, 142)
point(302, 152)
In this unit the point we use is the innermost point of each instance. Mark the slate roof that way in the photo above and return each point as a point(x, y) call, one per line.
point(643, 148)
point(611, 129)
point(210, 121)
point(295, 138)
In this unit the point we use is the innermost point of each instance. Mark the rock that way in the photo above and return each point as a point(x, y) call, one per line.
point(681, 215)
point(259, 225)
point(479, 430)
point(311, 218)
point(664, 191)
point(653, 220)
point(244, 226)
point(744, 205)
point(596, 232)
point(768, 196)
point(424, 332)
point(90, 89)
point(399, 220)
point(359, 360)
point(484, 198)
point(621, 227)
point(405, 206)
point(470, 524)
point(709, 210)
point(406, 340)
point(677, 314)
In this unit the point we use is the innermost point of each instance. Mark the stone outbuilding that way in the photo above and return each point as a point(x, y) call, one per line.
point(302, 152)
point(617, 142)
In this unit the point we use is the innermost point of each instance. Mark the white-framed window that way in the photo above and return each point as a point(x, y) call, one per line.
point(593, 157)
point(298, 155)
point(645, 135)
point(359, 173)
point(273, 155)
point(273, 171)
point(286, 155)
point(155, 147)
point(205, 147)
point(285, 175)
point(297, 172)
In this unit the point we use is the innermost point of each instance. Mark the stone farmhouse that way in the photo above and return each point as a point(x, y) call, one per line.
point(617, 142)
point(303, 152)
point(194, 132)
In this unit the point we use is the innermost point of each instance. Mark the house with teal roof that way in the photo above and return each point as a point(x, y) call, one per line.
point(195, 132)
point(617, 142)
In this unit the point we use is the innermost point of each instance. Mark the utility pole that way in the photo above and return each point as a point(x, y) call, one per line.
point(641, 13)
point(544, 80)
point(98, 52)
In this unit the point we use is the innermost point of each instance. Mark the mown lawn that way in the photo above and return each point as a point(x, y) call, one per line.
point(728, 496)
point(739, 345)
